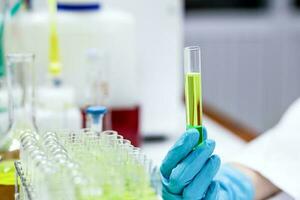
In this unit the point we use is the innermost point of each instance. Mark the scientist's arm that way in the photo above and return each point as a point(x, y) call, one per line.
point(263, 188)
point(275, 156)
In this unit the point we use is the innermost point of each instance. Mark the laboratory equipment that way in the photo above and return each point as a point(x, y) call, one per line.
point(97, 92)
point(158, 92)
point(122, 119)
point(81, 28)
point(54, 52)
point(126, 120)
point(6, 12)
point(193, 90)
point(95, 117)
point(98, 88)
point(83, 165)
point(21, 87)
point(56, 100)
point(56, 108)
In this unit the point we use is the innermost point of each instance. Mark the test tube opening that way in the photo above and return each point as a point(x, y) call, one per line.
point(192, 59)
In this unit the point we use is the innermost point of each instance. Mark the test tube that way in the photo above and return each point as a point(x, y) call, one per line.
point(193, 90)
point(95, 116)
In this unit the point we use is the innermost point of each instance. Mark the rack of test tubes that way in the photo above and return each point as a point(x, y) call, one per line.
point(80, 165)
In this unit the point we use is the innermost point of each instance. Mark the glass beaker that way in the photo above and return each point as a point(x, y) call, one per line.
point(20, 75)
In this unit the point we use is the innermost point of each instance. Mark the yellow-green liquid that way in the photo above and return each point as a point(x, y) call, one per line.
point(193, 98)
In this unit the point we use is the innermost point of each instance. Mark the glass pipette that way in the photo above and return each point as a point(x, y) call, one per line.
point(55, 66)
point(193, 90)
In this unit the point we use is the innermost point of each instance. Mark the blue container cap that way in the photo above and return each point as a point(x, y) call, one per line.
point(78, 7)
point(96, 110)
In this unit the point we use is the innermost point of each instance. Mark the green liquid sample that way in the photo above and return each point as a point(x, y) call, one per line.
point(193, 98)
point(7, 173)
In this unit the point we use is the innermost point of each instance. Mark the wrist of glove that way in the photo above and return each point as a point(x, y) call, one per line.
point(191, 171)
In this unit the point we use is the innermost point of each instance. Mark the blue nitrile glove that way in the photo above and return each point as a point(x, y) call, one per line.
point(230, 184)
point(189, 168)
point(188, 172)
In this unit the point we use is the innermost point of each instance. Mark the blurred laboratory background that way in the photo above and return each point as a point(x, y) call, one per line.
point(125, 59)
point(127, 56)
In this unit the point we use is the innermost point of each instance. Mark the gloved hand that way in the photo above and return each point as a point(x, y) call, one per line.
point(189, 169)
point(230, 184)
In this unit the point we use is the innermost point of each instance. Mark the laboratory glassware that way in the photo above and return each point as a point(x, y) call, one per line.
point(98, 83)
point(54, 51)
point(100, 28)
point(85, 164)
point(126, 120)
point(21, 87)
point(55, 98)
point(193, 89)
point(97, 92)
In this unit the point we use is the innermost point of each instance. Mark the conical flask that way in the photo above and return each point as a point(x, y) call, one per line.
point(20, 75)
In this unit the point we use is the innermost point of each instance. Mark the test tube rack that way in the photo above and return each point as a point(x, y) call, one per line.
point(25, 190)
point(25, 184)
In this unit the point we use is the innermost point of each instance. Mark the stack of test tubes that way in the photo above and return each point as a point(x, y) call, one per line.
point(84, 164)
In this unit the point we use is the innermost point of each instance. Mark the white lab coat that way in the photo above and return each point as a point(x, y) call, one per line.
point(276, 154)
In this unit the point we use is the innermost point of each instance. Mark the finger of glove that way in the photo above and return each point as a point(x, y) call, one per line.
point(212, 192)
point(166, 195)
point(197, 188)
point(179, 151)
point(186, 170)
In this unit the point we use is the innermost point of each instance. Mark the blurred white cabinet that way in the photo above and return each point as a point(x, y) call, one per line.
point(160, 45)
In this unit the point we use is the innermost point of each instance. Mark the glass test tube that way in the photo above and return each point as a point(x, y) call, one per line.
point(193, 89)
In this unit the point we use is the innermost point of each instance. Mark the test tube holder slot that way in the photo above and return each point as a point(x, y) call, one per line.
point(27, 189)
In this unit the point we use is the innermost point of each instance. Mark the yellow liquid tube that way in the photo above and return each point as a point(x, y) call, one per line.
point(193, 89)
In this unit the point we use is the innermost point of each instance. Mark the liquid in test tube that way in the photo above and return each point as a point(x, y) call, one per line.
point(193, 89)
